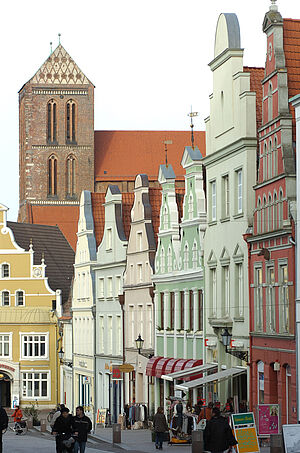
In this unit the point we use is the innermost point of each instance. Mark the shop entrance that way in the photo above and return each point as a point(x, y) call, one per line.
point(5, 397)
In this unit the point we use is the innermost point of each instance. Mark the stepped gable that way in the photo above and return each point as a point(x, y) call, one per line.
point(256, 76)
point(58, 254)
point(291, 46)
point(155, 201)
point(64, 216)
point(121, 155)
point(60, 69)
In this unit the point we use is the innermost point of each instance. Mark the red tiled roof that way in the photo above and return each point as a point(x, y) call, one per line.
point(121, 155)
point(64, 216)
point(155, 201)
point(256, 76)
point(291, 46)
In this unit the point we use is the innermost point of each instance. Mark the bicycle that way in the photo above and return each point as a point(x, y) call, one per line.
point(20, 428)
point(51, 414)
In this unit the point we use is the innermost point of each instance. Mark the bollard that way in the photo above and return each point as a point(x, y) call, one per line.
point(30, 422)
point(276, 443)
point(197, 441)
point(116, 433)
point(43, 425)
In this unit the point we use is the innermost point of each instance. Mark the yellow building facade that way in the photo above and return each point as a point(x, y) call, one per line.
point(29, 331)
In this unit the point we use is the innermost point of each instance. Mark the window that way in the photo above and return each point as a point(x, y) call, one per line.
point(186, 257)
point(263, 223)
point(52, 121)
point(283, 298)
point(139, 241)
point(5, 298)
point(110, 334)
point(270, 103)
point(270, 300)
point(101, 287)
point(260, 382)
point(52, 176)
point(5, 345)
point(162, 310)
point(225, 190)
point(275, 212)
point(118, 285)
point(270, 164)
point(195, 255)
point(239, 192)
point(191, 296)
point(225, 272)
point(280, 209)
point(172, 308)
point(213, 291)
point(200, 310)
point(34, 346)
point(166, 219)
point(181, 310)
point(119, 336)
point(169, 259)
point(108, 239)
point(270, 213)
point(71, 122)
point(20, 298)
point(258, 298)
point(265, 162)
point(70, 176)
point(5, 270)
point(258, 217)
point(101, 334)
point(213, 201)
point(140, 273)
point(109, 287)
point(35, 385)
point(275, 157)
point(191, 207)
point(162, 260)
point(239, 289)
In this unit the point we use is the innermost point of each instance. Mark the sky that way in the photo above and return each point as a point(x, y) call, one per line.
point(147, 59)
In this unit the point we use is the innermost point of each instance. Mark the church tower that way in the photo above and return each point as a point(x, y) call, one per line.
point(56, 127)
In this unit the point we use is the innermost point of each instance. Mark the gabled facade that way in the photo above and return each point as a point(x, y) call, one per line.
point(29, 329)
point(230, 163)
point(271, 244)
point(179, 275)
point(138, 288)
point(109, 270)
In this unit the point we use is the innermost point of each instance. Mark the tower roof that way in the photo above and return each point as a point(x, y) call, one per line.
point(60, 69)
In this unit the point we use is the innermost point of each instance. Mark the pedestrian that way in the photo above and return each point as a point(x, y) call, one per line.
point(17, 416)
point(160, 427)
point(3, 424)
point(63, 429)
point(206, 412)
point(198, 406)
point(56, 414)
point(218, 435)
point(82, 426)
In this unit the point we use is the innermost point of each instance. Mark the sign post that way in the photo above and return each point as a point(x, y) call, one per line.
point(245, 433)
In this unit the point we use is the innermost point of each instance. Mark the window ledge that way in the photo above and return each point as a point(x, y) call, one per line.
point(238, 215)
point(212, 222)
point(225, 219)
point(239, 319)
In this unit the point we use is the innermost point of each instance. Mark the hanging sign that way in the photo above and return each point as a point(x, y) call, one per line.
point(268, 419)
point(116, 374)
point(126, 368)
point(245, 433)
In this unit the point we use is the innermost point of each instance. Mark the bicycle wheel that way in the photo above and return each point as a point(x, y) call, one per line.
point(50, 416)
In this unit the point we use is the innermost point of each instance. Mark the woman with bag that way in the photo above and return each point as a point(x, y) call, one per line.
point(160, 427)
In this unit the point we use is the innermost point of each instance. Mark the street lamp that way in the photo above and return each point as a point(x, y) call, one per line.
point(61, 354)
point(226, 338)
point(139, 343)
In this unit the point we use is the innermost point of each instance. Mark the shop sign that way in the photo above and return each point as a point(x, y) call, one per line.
point(126, 368)
point(291, 437)
point(268, 419)
point(245, 433)
point(6, 367)
point(101, 416)
point(116, 373)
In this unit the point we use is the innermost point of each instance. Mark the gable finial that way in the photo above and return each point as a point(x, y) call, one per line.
point(59, 35)
point(191, 115)
point(273, 6)
point(50, 47)
point(167, 142)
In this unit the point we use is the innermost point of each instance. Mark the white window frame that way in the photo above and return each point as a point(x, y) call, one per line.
point(33, 397)
point(34, 334)
point(226, 205)
point(9, 356)
point(226, 289)
point(283, 298)
point(213, 186)
point(110, 290)
point(239, 176)
point(108, 238)
point(195, 255)
point(169, 260)
point(139, 241)
point(140, 272)
point(260, 371)
point(101, 334)
point(258, 298)
point(186, 256)
point(270, 300)
point(2, 270)
point(16, 298)
point(100, 287)
point(118, 284)
point(191, 207)
point(213, 289)
point(162, 260)
point(166, 218)
point(110, 332)
point(2, 298)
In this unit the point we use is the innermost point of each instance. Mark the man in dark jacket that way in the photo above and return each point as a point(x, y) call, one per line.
point(218, 436)
point(3, 424)
point(160, 426)
point(82, 426)
point(63, 429)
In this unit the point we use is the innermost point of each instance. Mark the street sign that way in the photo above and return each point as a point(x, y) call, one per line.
point(245, 432)
point(126, 368)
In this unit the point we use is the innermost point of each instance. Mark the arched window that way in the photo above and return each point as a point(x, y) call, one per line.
point(162, 260)
point(71, 176)
point(166, 219)
point(270, 152)
point(20, 299)
point(270, 102)
point(5, 298)
point(169, 259)
point(260, 382)
point(52, 176)
point(275, 157)
point(195, 255)
point(275, 212)
point(191, 207)
point(280, 209)
point(5, 270)
point(265, 162)
point(270, 213)
point(186, 257)
point(71, 122)
point(52, 121)
point(258, 217)
point(263, 223)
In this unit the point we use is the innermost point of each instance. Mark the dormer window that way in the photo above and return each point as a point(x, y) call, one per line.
point(5, 270)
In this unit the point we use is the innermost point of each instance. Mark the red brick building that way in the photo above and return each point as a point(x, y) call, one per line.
point(271, 243)
point(61, 154)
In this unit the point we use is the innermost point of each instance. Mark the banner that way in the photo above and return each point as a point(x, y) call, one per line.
point(268, 419)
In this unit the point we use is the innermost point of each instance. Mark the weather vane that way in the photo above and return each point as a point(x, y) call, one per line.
point(191, 115)
point(59, 35)
point(166, 143)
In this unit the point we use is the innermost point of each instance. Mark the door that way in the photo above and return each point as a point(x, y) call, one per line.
point(5, 397)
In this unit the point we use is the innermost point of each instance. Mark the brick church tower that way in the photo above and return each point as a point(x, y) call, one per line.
point(56, 127)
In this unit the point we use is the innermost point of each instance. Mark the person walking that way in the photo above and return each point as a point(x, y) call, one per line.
point(63, 429)
point(82, 426)
point(218, 435)
point(56, 414)
point(160, 427)
point(3, 424)
point(17, 416)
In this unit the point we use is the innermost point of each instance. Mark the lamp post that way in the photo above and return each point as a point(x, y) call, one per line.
point(226, 338)
point(139, 343)
point(61, 354)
